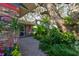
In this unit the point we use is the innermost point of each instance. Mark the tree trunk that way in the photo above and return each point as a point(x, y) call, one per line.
point(52, 10)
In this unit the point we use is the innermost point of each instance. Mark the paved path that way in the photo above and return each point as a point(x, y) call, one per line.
point(30, 47)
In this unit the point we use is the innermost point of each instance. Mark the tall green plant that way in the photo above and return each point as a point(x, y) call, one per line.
point(14, 25)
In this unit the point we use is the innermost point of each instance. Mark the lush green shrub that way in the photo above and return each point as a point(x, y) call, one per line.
point(16, 51)
point(68, 20)
point(42, 29)
point(12, 51)
point(55, 42)
point(59, 49)
point(55, 36)
point(62, 50)
point(68, 37)
point(58, 43)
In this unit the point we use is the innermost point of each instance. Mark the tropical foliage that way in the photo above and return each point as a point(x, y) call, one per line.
point(55, 42)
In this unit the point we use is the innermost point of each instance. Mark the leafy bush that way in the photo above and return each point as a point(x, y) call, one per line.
point(12, 51)
point(68, 20)
point(16, 51)
point(62, 50)
point(68, 37)
point(58, 43)
point(42, 29)
point(55, 42)
point(59, 50)
point(55, 36)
